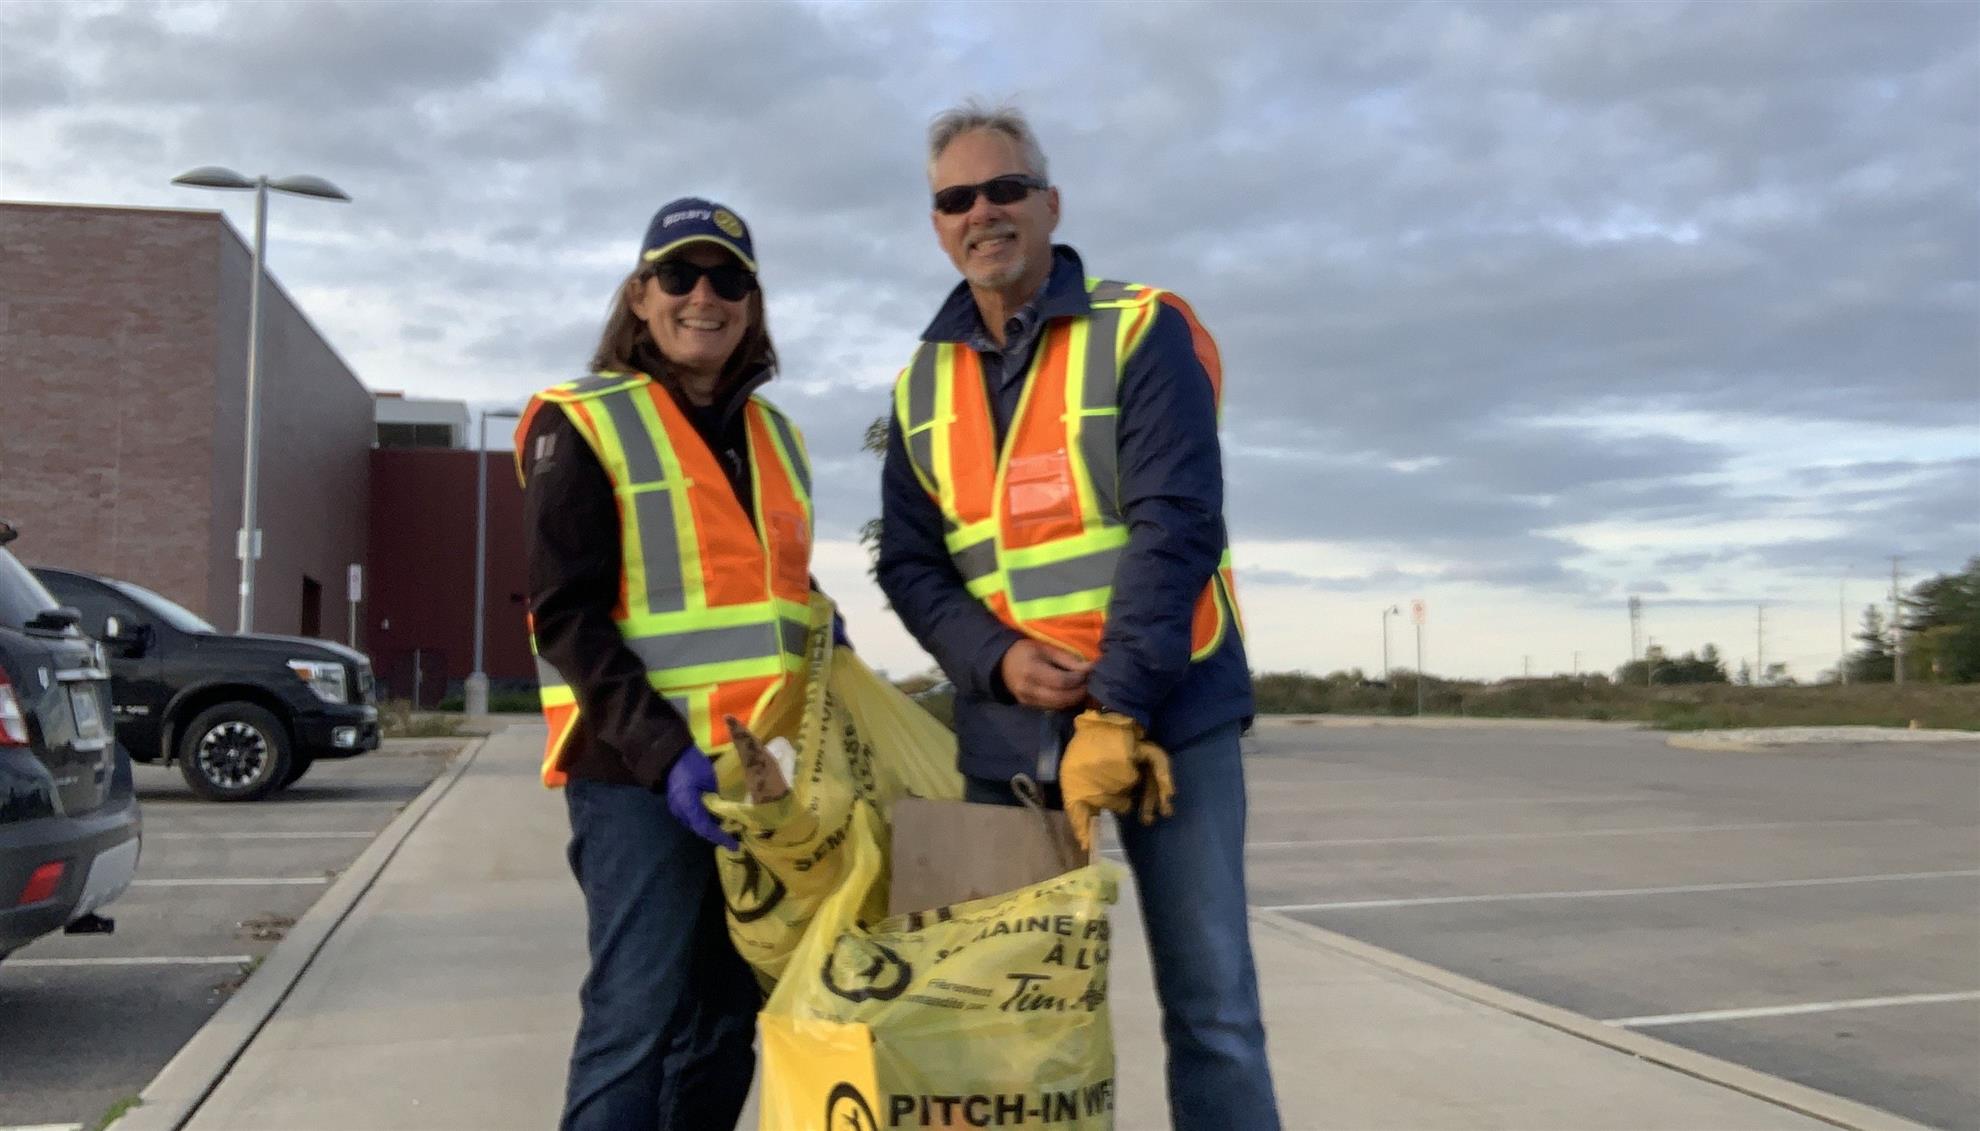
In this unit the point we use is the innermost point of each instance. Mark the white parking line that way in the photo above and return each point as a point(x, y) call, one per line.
point(259, 836)
point(189, 960)
point(1789, 1010)
point(229, 881)
point(46, 1127)
point(1611, 893)
point(1569, 834)
point(1602, 799)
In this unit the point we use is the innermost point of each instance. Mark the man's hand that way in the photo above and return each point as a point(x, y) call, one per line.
point(1107, 764)
point(692, 778)
point(1046, 678)
point(1099, 771)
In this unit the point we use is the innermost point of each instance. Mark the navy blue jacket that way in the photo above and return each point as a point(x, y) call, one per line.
point(1172, 496)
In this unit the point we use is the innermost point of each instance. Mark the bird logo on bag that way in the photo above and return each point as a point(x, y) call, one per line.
point(756, 894)
point(847, 1110)
point(878, 974)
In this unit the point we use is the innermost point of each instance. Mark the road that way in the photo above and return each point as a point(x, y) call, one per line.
point(86, 1022)
point(1812, 912)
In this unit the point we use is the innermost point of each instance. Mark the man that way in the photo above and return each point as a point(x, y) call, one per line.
point(1052, 532)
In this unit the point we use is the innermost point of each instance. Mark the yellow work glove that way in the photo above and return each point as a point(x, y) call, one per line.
point(1158, 785)
point(1104, 765)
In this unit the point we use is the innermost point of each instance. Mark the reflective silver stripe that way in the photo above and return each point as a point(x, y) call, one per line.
point(642, 461)
point(915, 433)
point(787, 436)
point(978, 559)
point(547, 675)
point(1074, 575)
point(1107, 290)
point(794, 634)
point(1099, 449)
point(596, 382)
point(700, 646)
point(660, 550)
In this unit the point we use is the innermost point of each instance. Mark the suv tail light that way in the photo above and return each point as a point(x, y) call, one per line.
point(43, 884)
point(13, 724)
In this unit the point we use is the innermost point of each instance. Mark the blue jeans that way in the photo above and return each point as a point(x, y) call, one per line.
point(669, 1008)
point(1190, 872)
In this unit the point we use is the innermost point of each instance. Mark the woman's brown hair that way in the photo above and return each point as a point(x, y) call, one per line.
point(627, 345)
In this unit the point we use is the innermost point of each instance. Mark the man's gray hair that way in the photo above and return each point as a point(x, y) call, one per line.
point(974, 115)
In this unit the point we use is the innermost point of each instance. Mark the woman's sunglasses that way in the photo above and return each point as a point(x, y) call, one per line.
point(1007, 189)
point(732, 283)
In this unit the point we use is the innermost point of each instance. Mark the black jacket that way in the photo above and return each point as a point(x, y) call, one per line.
point(626, 732)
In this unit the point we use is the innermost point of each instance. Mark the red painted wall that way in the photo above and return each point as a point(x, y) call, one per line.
point(419, 588)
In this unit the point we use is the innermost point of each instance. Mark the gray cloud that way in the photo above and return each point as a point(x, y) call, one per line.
point(1431, 237)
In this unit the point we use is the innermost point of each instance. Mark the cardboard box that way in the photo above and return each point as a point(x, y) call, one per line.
point(947, 852)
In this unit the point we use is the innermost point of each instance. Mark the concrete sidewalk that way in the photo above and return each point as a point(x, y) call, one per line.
point(435, 987)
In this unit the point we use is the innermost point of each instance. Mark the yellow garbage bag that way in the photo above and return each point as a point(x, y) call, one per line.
point(858, 739)
point(991, 1013)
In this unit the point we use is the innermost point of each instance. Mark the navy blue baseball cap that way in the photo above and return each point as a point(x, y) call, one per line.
point(692, 220)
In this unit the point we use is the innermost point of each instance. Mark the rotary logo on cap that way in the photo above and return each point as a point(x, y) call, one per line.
point(726, 220)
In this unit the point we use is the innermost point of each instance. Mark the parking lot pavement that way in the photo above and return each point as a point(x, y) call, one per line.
point(1812, 912)
point(86, 1022)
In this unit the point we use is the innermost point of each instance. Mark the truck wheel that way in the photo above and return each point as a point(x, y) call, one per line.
point(235, 752)
point(299, 765)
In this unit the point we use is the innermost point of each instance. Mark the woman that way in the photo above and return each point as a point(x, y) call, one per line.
point(668, 513)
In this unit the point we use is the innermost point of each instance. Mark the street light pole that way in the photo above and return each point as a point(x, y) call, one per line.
point(475, 693)
point(1385, 640)
point(1419, 667)
point(247, 542)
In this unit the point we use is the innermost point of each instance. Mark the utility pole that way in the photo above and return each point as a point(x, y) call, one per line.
point(1760, 645)
point(1842, 629)
point(1897, 625)
point(1635, 628)
point(1526, 663)
point(1577, 664)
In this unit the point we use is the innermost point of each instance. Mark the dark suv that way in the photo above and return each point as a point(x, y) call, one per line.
point(69, 827)
point(242, 714)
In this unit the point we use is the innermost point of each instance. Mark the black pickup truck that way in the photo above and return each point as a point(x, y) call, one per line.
point(243, 715)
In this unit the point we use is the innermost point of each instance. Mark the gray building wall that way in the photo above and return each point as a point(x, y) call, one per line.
point(123, 362)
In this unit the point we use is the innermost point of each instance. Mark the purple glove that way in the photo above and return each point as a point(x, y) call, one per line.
point(839, 637)
point(692, 778)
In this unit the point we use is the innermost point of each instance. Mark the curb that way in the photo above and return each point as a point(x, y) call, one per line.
point(1788, 738)
point(1711, 744)
point(174, 1096)
point(1442, 722)
point(1798, 1098)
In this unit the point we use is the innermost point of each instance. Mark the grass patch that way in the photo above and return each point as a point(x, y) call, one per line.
point(117, 1111)
point(397, 719)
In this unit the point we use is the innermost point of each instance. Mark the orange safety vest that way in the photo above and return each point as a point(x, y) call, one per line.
point(1036, 531)
point(717, 606)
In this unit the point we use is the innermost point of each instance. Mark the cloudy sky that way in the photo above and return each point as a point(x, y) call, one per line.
point(1525, 307)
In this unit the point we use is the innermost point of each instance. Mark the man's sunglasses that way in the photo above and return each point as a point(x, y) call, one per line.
point(731, 281)
point(1007, 189)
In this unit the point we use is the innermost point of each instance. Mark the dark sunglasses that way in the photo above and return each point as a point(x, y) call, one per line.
point(1007, 189)
point(732, 282)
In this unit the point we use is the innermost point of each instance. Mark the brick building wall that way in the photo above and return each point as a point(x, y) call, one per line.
point(107, 401)
point(123, 354)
